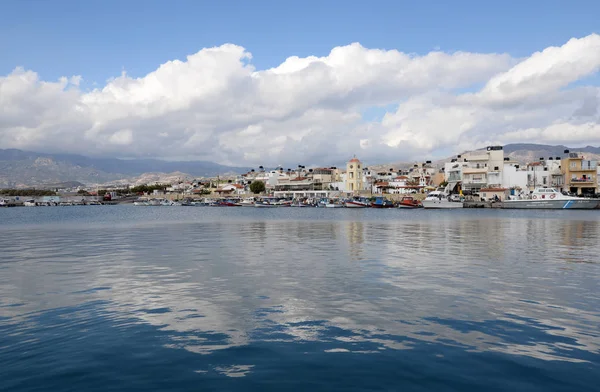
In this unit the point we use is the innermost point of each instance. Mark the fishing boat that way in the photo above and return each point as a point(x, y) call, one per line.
point(409, 202)
point(382, 202)
point(265, 204)
point(357, 202)
point(248, 202)
point(551, 199)
point(228, 203)
point(29, 203)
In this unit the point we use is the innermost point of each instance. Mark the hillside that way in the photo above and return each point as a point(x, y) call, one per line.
point(25, 168)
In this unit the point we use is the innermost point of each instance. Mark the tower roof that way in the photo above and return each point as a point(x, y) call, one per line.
point(354, 160)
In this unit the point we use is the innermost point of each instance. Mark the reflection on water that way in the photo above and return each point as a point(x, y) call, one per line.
point(454, 300)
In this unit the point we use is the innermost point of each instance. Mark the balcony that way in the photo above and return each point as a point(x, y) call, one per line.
point(474, 184)
point(588, 180)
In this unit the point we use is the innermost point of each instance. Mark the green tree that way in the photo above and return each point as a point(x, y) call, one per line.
point(257, 187)
point(26, 192)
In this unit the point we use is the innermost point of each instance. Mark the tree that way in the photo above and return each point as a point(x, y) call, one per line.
point(257, 187)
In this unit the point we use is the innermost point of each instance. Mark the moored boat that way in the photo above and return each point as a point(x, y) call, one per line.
point(551, 199)
point(357, 202)
point(441, 200)
point(382, 202)
point(228, 203)
point(248, 202)
point(409, 202)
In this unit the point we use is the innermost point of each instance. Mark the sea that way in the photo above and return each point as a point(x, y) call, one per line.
point(129, 298)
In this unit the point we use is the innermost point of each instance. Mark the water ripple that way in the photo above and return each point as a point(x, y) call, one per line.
point(167, 298)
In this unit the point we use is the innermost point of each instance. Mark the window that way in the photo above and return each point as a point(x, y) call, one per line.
point(573, 165)
point(351, 166)
point(351, 175)
point(544, 180)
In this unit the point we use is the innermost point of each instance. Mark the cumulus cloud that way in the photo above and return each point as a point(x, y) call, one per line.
point(217, 106)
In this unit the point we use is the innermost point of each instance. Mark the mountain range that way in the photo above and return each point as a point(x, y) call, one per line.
point(26, 169)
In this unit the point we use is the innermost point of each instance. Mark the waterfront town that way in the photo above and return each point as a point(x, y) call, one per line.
point(480, 176)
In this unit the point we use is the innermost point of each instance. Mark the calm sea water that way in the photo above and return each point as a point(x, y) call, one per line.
point(115, 298)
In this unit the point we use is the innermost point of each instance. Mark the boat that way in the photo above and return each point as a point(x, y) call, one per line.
point(301, 203)
point(357, 202)
point(552, 199)
point(29, 203)
point(228, 203)
point(409, 202)
point(382, 202)
point(6, 203)
point(265, 204)
point(248, 202)
point(141, 202)
point(441, 200)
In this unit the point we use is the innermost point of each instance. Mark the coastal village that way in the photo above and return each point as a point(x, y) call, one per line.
point(478, 176)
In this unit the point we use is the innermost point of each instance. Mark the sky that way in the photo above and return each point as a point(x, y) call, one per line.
point(272, 82)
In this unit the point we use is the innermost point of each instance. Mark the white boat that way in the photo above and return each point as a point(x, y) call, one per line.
point(4, 202)
point(441, 200)
point(29, 203)
point(265, 205)
point(550, 198)
point(357, 203)
point(247, 202)
point(141, 202)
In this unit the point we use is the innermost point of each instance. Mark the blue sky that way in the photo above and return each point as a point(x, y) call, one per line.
point(98, 39)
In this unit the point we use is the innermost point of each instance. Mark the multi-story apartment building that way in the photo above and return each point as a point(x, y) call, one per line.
point(580, 174)
point(484, 169)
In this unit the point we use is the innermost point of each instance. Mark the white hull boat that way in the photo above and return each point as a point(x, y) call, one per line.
point(357, 204)
point(551, 199)
point(440, 200)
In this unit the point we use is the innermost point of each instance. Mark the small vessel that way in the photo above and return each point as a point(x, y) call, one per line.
point(441, 200)
point(334, 204)
point(228, 203)
point(265, 203)
point(141, 202)
point(382, 202)
point(357, 202)
point(29, 203)
point(248, 202)
point(550, 198)
point(409, 202)
point(301, 203)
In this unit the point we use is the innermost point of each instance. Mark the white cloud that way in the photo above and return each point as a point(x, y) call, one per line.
point(216, 106)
